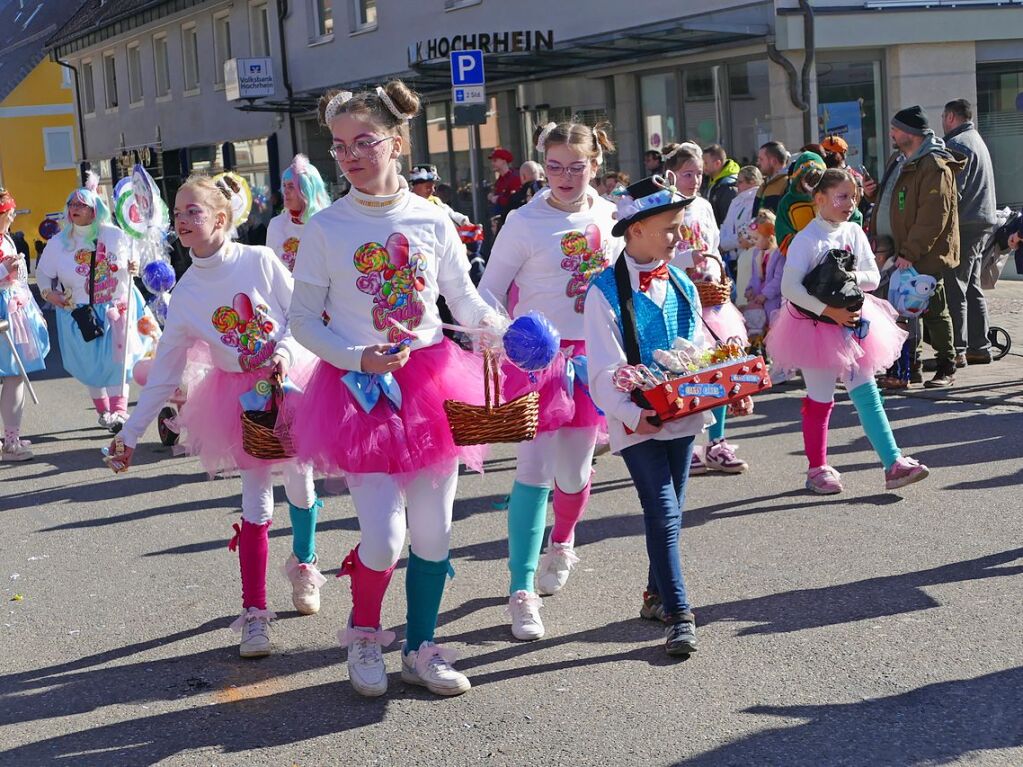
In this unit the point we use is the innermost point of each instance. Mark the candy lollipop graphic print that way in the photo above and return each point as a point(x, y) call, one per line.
point(394, 279)
point(247, 328)
point(584, 259)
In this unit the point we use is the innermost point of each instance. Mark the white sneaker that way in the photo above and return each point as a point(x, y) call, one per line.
point(306, 581)
point(104, 420)
point(524, 609)
point(16, 450)
point(117, 420)
point(254, 625)
point(555, 565)
point(430, 667)
point(366, 659)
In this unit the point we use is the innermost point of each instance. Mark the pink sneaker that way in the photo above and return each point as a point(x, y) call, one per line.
point(696, 464)
point(720, 456)
point(905, 471)
point(824, 480)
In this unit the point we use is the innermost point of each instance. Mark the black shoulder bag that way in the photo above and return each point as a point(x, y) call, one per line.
point(832, 281)
point(630, 336)
point(85, 316)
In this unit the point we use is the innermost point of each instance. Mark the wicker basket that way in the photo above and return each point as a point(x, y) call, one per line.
point(259, 435)
point(714, 293)
point(487, 424)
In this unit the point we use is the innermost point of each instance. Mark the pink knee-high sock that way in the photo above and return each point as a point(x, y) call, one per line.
point(368, 588)
point(253, 544)
point(102, 404)
point(815, 431)
point(119, 404)
point(568, 510)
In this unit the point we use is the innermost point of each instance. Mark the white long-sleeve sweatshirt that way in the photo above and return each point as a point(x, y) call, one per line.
point(808, 249)
point(369, 260)
point(552, 255)
point(605, 352)
point(68, 262)
point(236, 301)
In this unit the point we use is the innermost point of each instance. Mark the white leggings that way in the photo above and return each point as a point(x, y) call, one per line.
point(385, 509)
point(258, 491)
point(99, 392)
point(563, 457)
point(820, 383)
point(12, 402)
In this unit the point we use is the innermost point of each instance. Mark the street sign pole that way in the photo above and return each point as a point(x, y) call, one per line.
point(469, 107)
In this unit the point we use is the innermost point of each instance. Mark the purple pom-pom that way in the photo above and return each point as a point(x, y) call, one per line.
point(531, 342)
point(158, 277)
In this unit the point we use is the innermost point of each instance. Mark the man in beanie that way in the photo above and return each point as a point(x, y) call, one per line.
point(915, 205)
point(977, 222)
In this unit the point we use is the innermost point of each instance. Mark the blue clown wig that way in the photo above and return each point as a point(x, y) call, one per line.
point(88, 195)
point(309, 184)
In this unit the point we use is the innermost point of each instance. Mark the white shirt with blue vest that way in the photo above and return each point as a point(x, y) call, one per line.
point(662, 315)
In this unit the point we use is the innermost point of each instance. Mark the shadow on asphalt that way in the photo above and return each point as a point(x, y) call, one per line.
point(857, 601)
point(934, 724)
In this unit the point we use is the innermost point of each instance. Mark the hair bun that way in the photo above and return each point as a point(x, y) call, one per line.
point(405, 99)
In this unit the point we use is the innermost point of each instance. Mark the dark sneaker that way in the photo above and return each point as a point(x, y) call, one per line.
point(944, 378)
point(680, 636)
point(930, 365)
point(652, 609)
point(979, 358)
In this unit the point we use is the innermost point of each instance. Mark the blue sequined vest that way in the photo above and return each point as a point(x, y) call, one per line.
point(658, 327)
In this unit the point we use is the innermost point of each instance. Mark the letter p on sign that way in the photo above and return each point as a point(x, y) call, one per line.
point(467, 68)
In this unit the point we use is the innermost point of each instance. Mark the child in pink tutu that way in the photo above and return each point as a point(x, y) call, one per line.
point(551, 248)
point(836, 343)
point(697, 252)
point(377, 260)
point(235, 299)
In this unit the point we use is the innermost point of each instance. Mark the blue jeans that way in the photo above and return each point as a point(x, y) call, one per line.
point(660, 469)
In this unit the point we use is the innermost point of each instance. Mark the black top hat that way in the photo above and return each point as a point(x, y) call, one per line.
point(647, 197)
point(424, 173)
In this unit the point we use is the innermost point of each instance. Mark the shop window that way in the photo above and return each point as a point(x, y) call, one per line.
point(110, 80)
point(848, 99)
point(321, 16)
point(221, 45)
point(660, 108)
point(161, 65)
point(703, 104)
point(59, 148)
point(364, 15)
point(999, 118)
point(259, 29)
point(87, 85)
point(135, 95)
point(749, 105)
point(190, 56)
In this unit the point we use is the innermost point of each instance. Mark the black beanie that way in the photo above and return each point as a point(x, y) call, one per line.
point(912, 120)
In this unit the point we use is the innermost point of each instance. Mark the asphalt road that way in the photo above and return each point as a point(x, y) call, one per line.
point(868, 628)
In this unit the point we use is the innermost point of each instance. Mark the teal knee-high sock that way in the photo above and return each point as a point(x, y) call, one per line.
point(867, 401)
point(303, 531)
point(424, 586)
point(527, 516)
point(717, 430)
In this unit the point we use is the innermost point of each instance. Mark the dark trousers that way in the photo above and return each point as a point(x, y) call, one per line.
point(966, 303)
point(938, 324)
point(660, 469)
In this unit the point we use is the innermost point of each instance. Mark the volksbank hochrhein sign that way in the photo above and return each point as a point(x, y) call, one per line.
point(518, 41)
point(248, 78)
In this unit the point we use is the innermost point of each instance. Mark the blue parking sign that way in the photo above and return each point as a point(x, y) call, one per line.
point(467, 68)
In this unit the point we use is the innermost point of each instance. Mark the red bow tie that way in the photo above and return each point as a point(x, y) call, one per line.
point(645, 278)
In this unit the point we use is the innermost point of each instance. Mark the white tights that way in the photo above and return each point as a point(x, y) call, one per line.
point(563, 457)
point(12, 402)
point(385, 508)
point(820, 383)
point(258, 491)
point(99, 392)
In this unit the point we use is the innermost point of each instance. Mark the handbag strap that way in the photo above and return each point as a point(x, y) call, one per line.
point(92, 275)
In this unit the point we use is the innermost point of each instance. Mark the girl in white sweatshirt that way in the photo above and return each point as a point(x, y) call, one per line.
point(829, 343)
point(234, 300)
point(304, 195)
point(551, 248)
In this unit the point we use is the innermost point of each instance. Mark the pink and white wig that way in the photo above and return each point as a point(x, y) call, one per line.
point(309, 184)
point(88, 195)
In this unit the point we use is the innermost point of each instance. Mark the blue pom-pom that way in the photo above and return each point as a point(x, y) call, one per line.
point(158, 277)
point(531, 342)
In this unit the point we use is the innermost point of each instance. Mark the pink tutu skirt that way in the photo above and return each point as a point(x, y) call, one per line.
point(797, 341)
point(726, 320)
point(210, 419)
point(333, 432)
point(557, 409)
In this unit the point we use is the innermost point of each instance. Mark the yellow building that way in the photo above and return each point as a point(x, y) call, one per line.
point(39, 150)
